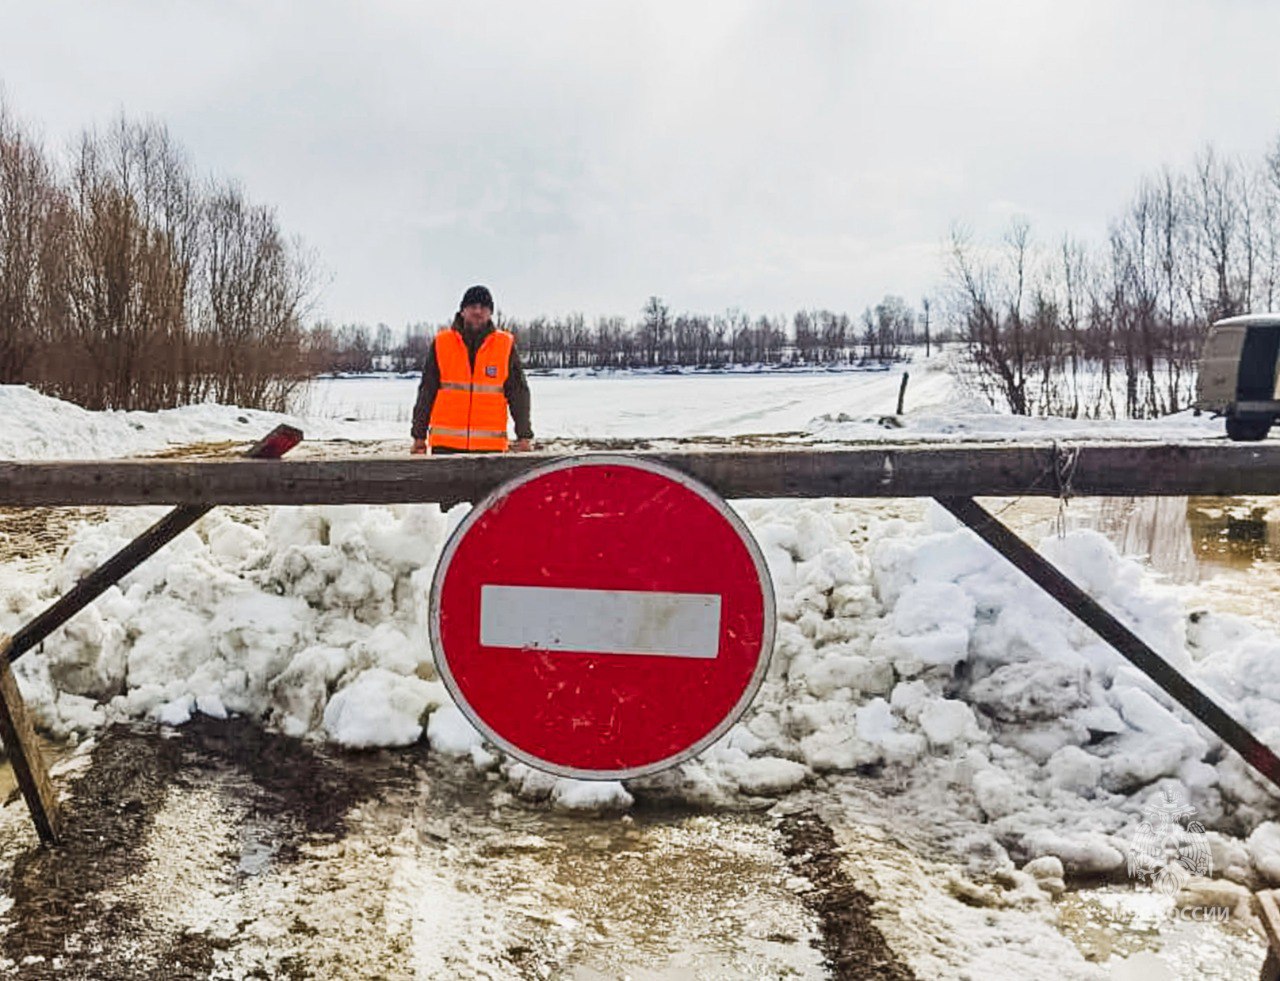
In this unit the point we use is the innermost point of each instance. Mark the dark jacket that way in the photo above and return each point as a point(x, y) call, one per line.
point(516, 388)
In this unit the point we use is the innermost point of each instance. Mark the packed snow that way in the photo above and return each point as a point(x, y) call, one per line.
point(907, 651)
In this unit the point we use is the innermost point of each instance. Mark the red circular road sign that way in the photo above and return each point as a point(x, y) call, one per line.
point(602, 617)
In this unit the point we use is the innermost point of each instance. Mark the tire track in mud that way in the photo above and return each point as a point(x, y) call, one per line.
point(853, 945)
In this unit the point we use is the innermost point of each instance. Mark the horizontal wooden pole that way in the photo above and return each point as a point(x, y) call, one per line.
point(997, 470)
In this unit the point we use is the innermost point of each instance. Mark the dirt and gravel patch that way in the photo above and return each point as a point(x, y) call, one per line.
point(28, 535)
point(73, 917)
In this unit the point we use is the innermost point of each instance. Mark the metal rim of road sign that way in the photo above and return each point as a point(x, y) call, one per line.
point(768, 619)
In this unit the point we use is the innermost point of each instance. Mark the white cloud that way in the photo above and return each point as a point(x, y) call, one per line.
point(580, 155)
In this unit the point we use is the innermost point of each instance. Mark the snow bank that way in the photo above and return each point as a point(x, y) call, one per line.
point(946, 423)
point(52, 429)
point(312, 623)
point(919, 654)
point(55, 430)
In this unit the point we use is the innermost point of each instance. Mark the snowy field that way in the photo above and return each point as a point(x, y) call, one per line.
point(918, 682)
point(839, 405)
point(645, 406)
point(845, 405)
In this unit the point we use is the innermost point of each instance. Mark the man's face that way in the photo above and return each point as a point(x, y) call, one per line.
point(475, 315)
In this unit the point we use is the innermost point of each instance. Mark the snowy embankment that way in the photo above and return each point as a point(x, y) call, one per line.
point(908, 652)
point(36, 427)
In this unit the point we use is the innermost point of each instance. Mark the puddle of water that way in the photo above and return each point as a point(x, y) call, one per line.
point(1153, 529)
point(1235, 533)
point(1184, 539)
point(257, 848)
point(1223, 554)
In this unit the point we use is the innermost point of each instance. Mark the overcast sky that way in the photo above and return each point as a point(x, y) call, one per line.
point(584, 155)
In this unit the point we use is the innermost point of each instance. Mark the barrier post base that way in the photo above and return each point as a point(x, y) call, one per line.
point(24, 754)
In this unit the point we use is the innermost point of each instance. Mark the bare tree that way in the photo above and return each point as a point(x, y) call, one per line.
point(655, 338)
point(256, 285)
point(1222, 210)
point(127, 283)
point(32, 225)
point(990, 307)
point(1269, 233)
point(133, 241)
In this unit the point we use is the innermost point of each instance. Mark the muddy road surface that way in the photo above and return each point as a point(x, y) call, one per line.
point(220, 851)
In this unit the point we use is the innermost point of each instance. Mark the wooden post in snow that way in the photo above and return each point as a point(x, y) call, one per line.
point(24, 754)
point(1269, 913)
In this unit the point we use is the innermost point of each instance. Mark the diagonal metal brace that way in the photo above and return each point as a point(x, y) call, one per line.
point(1081, 604)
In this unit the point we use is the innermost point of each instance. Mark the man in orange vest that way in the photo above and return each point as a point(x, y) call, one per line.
point(471, 380)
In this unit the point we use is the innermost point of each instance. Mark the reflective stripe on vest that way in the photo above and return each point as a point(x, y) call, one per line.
point(470, 410)
point(464, 433)
point(477, 387)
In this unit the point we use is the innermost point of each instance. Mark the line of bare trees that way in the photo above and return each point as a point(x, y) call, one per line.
point(1116, 331)
point(659, 339)
point(127, 282)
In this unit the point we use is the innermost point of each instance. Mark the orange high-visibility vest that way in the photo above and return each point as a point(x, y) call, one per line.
point(470, 410)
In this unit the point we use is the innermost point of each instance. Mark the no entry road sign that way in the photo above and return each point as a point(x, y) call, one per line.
point(602, 617)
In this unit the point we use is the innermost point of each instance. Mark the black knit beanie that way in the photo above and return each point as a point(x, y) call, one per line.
point(477, 294)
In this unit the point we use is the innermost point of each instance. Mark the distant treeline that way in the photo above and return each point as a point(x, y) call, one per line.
point(1115, 330)
point(658, 339)
point(128, 282)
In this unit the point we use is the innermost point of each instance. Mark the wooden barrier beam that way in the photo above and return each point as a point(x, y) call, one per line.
point(24, 754)
point(1087, 469)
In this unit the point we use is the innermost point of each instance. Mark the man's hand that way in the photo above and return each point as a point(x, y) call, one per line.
point(419, 447)
point(523, 445)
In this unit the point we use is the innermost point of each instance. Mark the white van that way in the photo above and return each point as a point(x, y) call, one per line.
point(1238, 377)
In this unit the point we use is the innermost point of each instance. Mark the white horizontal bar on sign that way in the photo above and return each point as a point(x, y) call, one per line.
point(600, 621)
